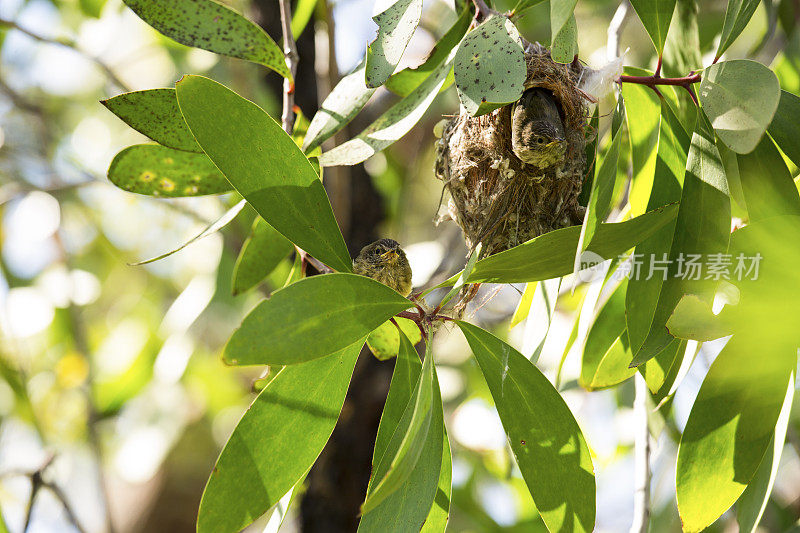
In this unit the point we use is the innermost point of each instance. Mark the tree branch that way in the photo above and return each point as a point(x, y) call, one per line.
point(72, 45)
point(641, 496)
point(653, 81)
point(290, 52)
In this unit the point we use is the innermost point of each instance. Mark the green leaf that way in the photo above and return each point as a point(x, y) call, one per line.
point(408, 505)
point(545, 438)
point(670, 166)
point(312, 318)
point(214, 227)
point(767, 185)
point(417, 438)
point(693, 319)
point(606, 354)
point(265, 166)
point(683, 54)
point(552, 255)
point(408, 79)
point(656, 16)
point(565, 42)
point(340, 106)
point(211, 26)
point(737, 16)
point(473, 258)
point(661, 371)
point(740, 98)
point(396, 20)
point(543, 307)
point(524, 5)
point(730, 426)
point(156, 170)
point(261, 253)
point(303, 11)
point(490, 67)
point(92, 8)
point(753, 502)
point(561, 15)
point(276, 441)
point(702, 228)
point(436, 522)
point(785, 128)
point(602, 188)
point(393, 124)
point(524, 304)
point(154, 113)
point(384, 342)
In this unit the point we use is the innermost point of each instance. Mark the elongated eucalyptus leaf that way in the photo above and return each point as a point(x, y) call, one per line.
point(751, 505)
point(740, 98)
point(302, 12)
point(693, 319)
point(785, 129)
point(602, 188)
point(731, 425)
point(160, 171)
point(543, 308)
point(407, 507)
point(767, 185)
point(552, 255)
point(276, 441)
point(265, 165)
point(545, 438)
point(211, 26)
point(702, 228)
point(565, 42)
point(154, 113)
point(670, 166)
point(312, 318)
point(606, 355)
point(418, 437)
point(736, 18)
point(393, 124)
point(261, 253)
point(396, 20)
point(408, 79)
point(561, 11)
point(524, 304)
point(436, 522)
point(656, 16)
point(490, 67)
point(340, 106)
point(682, 54)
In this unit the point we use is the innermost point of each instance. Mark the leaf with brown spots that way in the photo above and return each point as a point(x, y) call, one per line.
point(156, 170)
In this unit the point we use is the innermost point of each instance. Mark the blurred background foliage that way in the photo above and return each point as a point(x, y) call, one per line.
point(112, 386)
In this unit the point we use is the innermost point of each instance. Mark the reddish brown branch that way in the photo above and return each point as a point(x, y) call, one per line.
point(654, 81)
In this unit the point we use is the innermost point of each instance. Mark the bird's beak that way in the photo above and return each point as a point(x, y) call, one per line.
point(390, 256)
point(554, 143)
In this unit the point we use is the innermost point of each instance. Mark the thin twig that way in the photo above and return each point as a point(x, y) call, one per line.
point(290, 52)
point(72, 45)
point(641, 496)
point(615, 29)
point(653, 81)
point(482, 11)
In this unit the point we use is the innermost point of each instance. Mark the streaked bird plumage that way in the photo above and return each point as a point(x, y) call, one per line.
point(537, 131)
point(386, 262)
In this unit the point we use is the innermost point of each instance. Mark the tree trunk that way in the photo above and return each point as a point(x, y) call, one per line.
point(337, 484)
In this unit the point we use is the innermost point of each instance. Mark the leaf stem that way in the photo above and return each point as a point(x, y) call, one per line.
point(482, 10)
point(655, 80)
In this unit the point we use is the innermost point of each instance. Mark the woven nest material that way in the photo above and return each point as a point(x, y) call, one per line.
point(496, 198)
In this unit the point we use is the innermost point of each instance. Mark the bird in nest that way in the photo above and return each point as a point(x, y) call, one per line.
point(537, 131)
point(386, 262)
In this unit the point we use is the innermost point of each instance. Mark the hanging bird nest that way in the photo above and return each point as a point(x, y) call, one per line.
point(496, 198)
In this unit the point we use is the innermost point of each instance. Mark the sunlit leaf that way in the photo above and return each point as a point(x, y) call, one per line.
point(545, 438)
point(154, 113)
point(767, 185)
point(265, 166)
point(731, 426)
point(211, 26)
point(160, 171)
point(312, 318)
point(656, 16)
point(261, 253)
point(384, 342)
point(524, 304)
point(393, 124)
point(693, 319)
point(561, 15)
point(396, 20)
point(565, 42)
point(740, 98)
point(418, 437)
point(301, 15)
point(490, 67)
point(407, 507)
point(276, 441)
point(408, 79)
point(436, 522)
point(785, 128)
point(737, 16)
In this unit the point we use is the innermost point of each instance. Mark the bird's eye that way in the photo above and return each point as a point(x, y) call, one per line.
point(539, 140)
point(379, 250)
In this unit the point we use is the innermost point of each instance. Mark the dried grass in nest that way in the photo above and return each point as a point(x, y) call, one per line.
point(494, 197)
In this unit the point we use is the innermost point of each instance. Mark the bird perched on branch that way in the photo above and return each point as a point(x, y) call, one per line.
point(537, 131)
point(385, 261)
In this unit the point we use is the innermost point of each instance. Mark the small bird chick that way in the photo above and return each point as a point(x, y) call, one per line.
point(385, 261)
point(537, 132)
